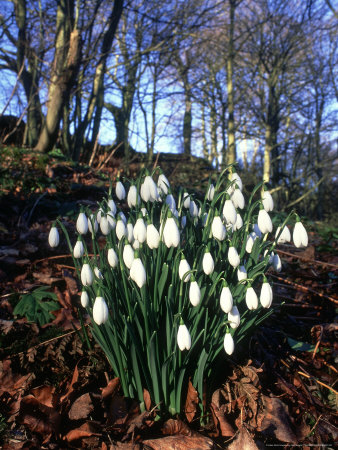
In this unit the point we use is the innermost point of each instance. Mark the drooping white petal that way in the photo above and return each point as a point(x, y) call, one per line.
point(229, 212)
point(239, 222)
point(111, 220)
point(285, 235)
point(120, 191)
point(121, 230)
point(234, 317)
point(194, 293)
point(183, 338)
point(170, 201)
point(266, 295)
point(229, 345)
point(128, 255)
point(242, 273)
point(238, 181)
point(152, 188)
point(78, 249)
point(277, 263)
point(98, 273)
point(138, 273)
point(218, 229)
point(251, 298)
point(87, 276)
point(153, 236)
point(93, 225)
point(267, 201)
point(84, 299)
point(112, 258)
point(208, 263)
point(100, 311)
point(132, 197)
point(233, 257)
point(163, 184)
point(264, 222)
point(250, 240)
point(226, 300)
point(299, 235)
point(211, 192)
point(104, 225)
point(111, 206)
point(193, 209)
point(183, 268)
point(171, 234)
point(82, 223)
point(140, 230)
point(237, 199)
point(130, 232)
point(53, 237)
point(186, 200)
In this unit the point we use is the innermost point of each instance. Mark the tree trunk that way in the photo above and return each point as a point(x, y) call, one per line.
point(187, 122)
point(231, 151)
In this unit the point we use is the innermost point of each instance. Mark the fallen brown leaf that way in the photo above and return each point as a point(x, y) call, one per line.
point(45, 395)
point(81, 408)
point(147, 399)
point(243, 441)
point(71, 386)
point(174, 427)
point(111, 388)
point(180, 442)
point(191, 402)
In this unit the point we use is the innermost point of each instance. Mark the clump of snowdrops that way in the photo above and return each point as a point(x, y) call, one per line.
point(180, 281)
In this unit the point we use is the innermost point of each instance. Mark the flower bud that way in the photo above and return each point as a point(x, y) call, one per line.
point(266, 295)
point(186, 200)
point(140, 230)
point(211, 192)
point(234, 317)
point(208, 263)
point(153, 236)
point(104, 225)
point(277, 263)
point(78, 249)
point(226, 300)
point(267, 201)
point(229, 345)
point(163, 184)
point(111, 206)
point(251, 298)
point(53, 237)
point(300, 237)
point(100, 311)
point(241, 273)
point(218, 229)
point(233, 257)
point(84, 299)
point(170, 201)
point(82, 223)
point(183, 268)
point(128, 255)
point(133, 197)
point(87, 276)
point(183, 338)
point(264, 222)
point(112, 258)
point(250, 240)
point(239, 222)
point(235, 177)
point(193, 209)
point(285, 235)
point(121, 230)
point(93, 225)
point(237, 198)
point(120, 191)
point(137, 272)
point(194, 293)
point(229, 212)
point(171, 234)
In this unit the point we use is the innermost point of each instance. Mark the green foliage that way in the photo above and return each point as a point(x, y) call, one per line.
point(300, 346)
point(34, 306)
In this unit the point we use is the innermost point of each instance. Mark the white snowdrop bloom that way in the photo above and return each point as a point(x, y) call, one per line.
point(233, 257)
point(183, 268)
point(132, 198)
point(123, 217)
point(266, 295)
point(271, 256)
point(251, 298)
point(112, 258)
point(98, 273)
point(153, 236)
point(111, 206)
point(229, 212)
point(226, 300)
point(100, 311)
point(78, 249)
point(257, 230)
point(277, 263)
point(152, 188)
point(144, 212)
point(120, 230)
point(237, 198)
point(137, 272)
point(194, 293)
point(93, 225)
point(120, 190)
point(104, 225)
point(82, 223)
point(163, 184)
point(193, 209)
point(145, 192)
point(130, 232)
point(211, 192)
point(87, 276)
point(285, 235)
point(183, 338)
point(250, 240)
point(239, 222)
point(229, 345)
point(170, 201)
point(208, 263)
point(218, 228)
point(186, 200)
point(84, 299)
point(264, 222)
point(140, 230)
point(171, 234)
point(234, 317)
point(299, 235)
point(128, 255)
point(111, 220)
point(242, 273)
point(183, 221)
point(53, 237)
point(238, 181)
point(136, 244)
point(267, 200)
point(99, 214)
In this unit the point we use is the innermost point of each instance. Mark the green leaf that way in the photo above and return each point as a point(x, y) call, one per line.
point(34, 308)
point(300, 346)
point(163, 279)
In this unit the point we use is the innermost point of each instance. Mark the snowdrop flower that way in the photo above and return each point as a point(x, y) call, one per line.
point(242, 273)
point(140, 230)
point(211, 192)
point(193, 209)
point(299, 235)
point(87, 276)
point(152, 188)
point(128, 255)
point(217, 228)
point(136, 244)
point(144, 212)
point(183, 268)
point(271, 256)
point(111, 206)
point(93, 225)
point(251, 298)
point(237, 198)
point(112, 258)
point(163, 184)
point(84, 299)
point(123, 217)
point(121, 230)
point(183, 221)
point(153, 237)
point(170, 201)
point(111, 220)
point(285, 235)
point(78, 249)
point(186, 200)
point(82, 223)
point(277, 263)
point(145, 192)
point(229, 345)
point(183, 337)
point(98, 273)
point(267, 200)
point(208, 263)
point(120, 190)
point(257, 230)
point(53, 237)
point(99, 214)
point(100, 311)
point(226, 300)
point(235, 177)
point(137, 271)
point(130, 232)
point(233, 257)
point(171, 234)
point(264, 222)
point(239, 222)
point(250, 240)
point(234, 317)
point(266, 295)
point(194, 292)
point(132, 198)
point(104, 225)
point(229, 211)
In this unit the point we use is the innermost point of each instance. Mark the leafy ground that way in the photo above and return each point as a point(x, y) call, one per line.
point(56, 388)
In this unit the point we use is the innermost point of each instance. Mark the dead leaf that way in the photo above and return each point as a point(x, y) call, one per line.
point(180, 442)
point(191, 402)
point(147, 399)
point(225, 427)
point(243, 441)
point(81, 408)
point(6, 326)
point(174, 427)
point(45, 395)
point(276, 420)
point(111, 388)
point(71, 386)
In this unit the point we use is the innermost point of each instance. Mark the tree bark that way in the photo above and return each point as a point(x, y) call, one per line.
point(231, 151)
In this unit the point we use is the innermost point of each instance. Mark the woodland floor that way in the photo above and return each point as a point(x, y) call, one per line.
point(56, 391)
